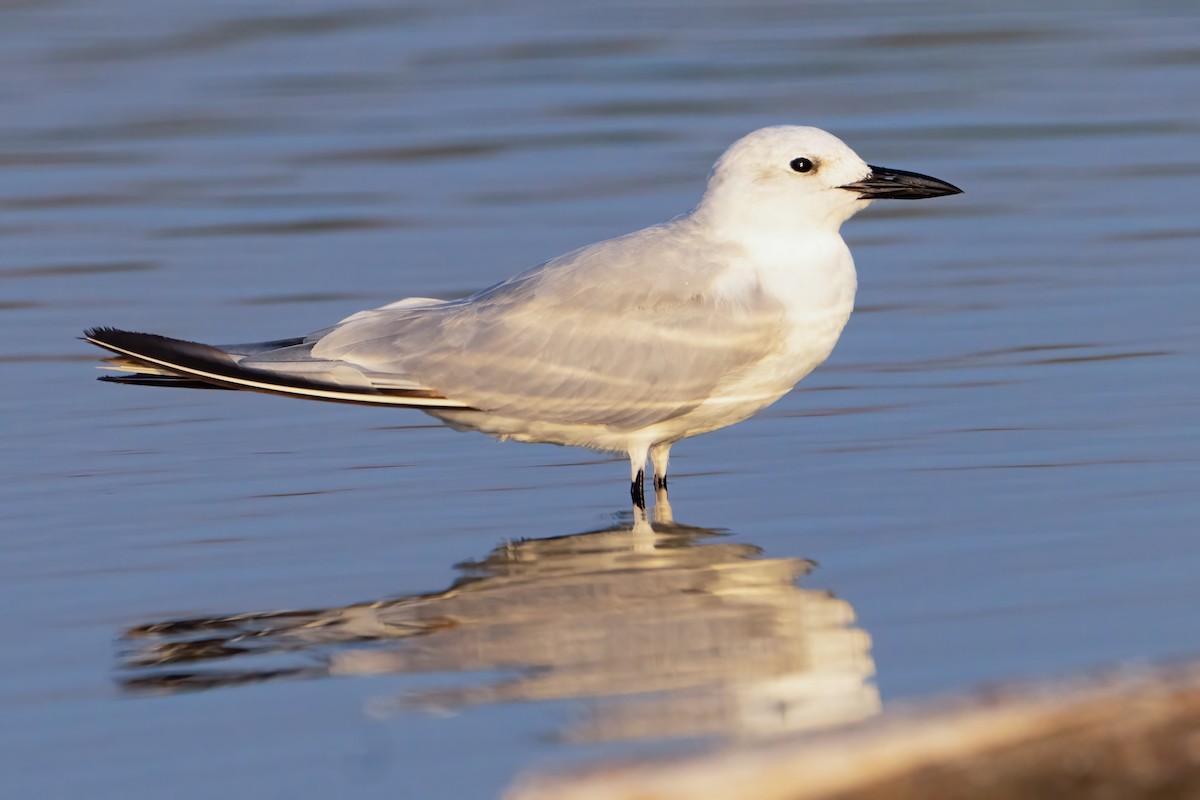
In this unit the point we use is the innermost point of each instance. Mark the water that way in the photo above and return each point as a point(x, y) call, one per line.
point(995, 473)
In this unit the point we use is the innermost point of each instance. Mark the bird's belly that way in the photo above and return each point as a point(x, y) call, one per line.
point(510, 428)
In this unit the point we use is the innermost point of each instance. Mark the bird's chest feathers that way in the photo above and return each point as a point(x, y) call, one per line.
point(811, 279)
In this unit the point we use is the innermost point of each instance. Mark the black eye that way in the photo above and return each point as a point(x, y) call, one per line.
point(802, 165)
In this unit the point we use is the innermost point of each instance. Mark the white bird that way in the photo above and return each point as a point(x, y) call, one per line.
point(628, 345)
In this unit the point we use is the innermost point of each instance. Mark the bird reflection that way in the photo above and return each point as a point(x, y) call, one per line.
point(666, 629)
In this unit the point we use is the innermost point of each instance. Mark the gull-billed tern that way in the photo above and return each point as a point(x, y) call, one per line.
point(628, 345)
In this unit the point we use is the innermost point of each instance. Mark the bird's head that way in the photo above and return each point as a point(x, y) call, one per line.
point(792, 177)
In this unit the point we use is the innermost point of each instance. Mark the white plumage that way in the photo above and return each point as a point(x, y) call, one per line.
point(628, 345)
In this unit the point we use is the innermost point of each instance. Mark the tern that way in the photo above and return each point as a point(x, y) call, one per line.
point(628, 345)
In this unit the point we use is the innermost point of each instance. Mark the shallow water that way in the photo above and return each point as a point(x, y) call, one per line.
point(994, 474)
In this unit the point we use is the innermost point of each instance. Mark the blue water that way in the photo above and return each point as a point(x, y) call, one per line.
point(996, 469)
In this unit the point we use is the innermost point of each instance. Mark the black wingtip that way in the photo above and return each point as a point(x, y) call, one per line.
point(101, 333)
point(169, 381)
point(193, 364)
point(105, 331)
point(162, 350)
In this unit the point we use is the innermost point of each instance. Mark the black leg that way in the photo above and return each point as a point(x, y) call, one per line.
point(660, 482)
point(637, 491)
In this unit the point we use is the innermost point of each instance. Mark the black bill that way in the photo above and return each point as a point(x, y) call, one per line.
point(896, 184)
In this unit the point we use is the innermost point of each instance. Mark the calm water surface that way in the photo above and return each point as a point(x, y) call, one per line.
point(994, 476)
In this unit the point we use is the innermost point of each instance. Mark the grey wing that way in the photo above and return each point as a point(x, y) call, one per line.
point(295, 357)
point(569, 346)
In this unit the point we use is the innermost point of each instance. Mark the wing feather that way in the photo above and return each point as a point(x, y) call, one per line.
point(624, 334)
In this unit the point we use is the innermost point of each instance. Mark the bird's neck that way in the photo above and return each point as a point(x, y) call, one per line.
point(773, 245)
point(807, 274)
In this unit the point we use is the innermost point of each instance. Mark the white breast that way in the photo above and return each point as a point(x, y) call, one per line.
point(817, 290)
point(813, 278)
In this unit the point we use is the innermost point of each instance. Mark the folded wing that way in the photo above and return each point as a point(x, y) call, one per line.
point(598, 337)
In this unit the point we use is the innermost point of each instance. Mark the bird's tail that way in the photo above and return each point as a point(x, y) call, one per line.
point(147, 359)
